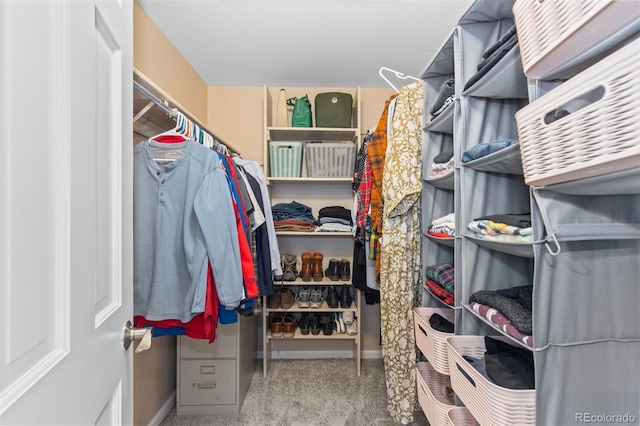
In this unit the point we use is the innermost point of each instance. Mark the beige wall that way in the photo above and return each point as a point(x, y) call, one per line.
point(158, 59)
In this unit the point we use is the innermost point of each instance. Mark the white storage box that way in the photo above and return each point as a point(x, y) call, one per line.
point(432, 343)
point(285, 159)
point(489, 403)
point(460, 416)
point(330, 159)
point(601, 133)
point(552, 33)
point(433, 390)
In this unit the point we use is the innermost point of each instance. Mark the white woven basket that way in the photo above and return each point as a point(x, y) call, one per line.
point(330, 159)
point(601, 134)
point(432, 388)
point(552, 33)
point(460, 416)
point(432, 343)
point(490, 404)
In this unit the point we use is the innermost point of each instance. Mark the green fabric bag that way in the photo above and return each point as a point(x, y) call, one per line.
point(333, 109)
point(301, 116)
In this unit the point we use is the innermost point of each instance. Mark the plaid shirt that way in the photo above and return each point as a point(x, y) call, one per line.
point(440, 292)
point(375, 154)
point(364, 196)
point(442, 274)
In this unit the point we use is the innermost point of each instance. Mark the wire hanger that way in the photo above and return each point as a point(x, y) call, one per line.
point(398, 74)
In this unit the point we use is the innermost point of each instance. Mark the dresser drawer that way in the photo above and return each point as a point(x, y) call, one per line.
point(207, 382)
point(223, 347)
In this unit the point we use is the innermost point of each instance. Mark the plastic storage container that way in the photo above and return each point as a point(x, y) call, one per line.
point(435, 394)
point(285, 159)
point(432, 343)
point(460, 416)
point(587, 126)
point(489, 403)
point(553, 34)
point(330, 159)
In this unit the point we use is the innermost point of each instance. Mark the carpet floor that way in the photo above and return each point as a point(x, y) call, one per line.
point(323, 392)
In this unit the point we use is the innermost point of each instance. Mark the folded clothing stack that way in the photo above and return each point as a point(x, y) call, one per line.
point(442, 163)
point(444, 98)
point(292, 216)
point(334, 219)
point(443, 227)
point(504, 227)
point(493, 54)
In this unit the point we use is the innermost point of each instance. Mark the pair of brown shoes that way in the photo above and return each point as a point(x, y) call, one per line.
point(311, 266)
point(281, 298)
point(283, 325)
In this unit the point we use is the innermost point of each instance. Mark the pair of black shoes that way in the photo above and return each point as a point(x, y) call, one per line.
point(338, 270)
point(316, 323)
point(343, 300)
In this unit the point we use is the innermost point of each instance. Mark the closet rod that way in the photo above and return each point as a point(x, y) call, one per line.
point(164, 104)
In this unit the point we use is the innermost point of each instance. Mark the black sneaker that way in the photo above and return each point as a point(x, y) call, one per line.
point(332, 297)
point(345, 297)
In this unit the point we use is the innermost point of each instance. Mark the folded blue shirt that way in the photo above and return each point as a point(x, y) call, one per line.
point(486, 148)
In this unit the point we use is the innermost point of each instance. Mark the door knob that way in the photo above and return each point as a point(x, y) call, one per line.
point(131, 333)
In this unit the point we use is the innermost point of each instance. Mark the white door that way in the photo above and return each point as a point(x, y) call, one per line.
point(65, 211)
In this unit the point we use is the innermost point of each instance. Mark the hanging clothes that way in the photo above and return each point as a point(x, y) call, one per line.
point(400, 250)
point(376, 154)
point(255, 170)
point(183, 221)
point(261, 239)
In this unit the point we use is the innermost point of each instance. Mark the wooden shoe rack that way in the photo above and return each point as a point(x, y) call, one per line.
point(315, 192)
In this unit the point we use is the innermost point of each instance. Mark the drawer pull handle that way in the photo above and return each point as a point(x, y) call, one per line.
point(206, 385)
point(466, 375)
point(422, 330)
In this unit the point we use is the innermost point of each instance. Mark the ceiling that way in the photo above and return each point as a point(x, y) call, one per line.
point(320, 43)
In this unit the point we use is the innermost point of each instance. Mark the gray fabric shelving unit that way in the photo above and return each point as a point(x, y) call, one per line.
point(586, 316)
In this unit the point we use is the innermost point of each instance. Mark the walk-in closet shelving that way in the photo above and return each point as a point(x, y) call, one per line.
point(315, 192)
point(586, 266)
point(437, 192)
point(493, 185)
point(483, 112)
point(437, 200)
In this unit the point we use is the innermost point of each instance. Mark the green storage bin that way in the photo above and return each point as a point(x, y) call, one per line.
point(333, 109)
point(285, 159)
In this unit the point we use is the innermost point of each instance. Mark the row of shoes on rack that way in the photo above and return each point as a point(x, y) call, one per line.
point(285, 325)
point(311, 298)
point(312, 268)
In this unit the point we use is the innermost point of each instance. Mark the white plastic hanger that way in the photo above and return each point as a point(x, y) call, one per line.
point(178, 130)
point(398, 74)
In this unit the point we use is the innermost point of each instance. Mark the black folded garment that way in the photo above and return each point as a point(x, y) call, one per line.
point(440, 323)
point(493, 60)
point(513, 303)
point(335, 211)
point(509, 366)
point(502, 40)
point(447, 89)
